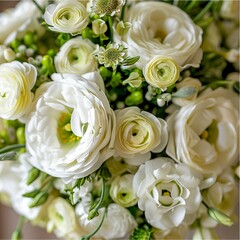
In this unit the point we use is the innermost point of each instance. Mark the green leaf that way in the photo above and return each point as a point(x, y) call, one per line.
point(11, 148)
point(8, 156)
point(31, 194)
point(40, 199)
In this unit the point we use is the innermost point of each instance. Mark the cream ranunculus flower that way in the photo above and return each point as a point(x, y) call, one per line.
point(162, 29)
point(16, 81)
point(118, 223)
point(61, 216)
point(138, 133)
point(71, 128)
point(161, 72)
point(203, 134)
point(76, 57)
point(121, 191)
point(168, 193)
point(17, 21)
point(68, 16)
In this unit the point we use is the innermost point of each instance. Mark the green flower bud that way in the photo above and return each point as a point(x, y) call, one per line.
point(99, 26)
point(219, 216)
point(29, 39)
point(15, 44)
point(123, 27)
point(134, 80)
point(87, 33)
point(92, 214)
point(40, 199)
point(9, 54)
point(105, 73)
point(135, 98)
point(20, 134)
point(47, 61)
point(32, 175)
point(31, 194)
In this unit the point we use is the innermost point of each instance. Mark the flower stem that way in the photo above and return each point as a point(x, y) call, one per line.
point(110, 23)
point(123, 11)
point(38, 6)
point(203, 12)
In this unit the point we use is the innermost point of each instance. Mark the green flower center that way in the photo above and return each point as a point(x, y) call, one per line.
point(105, 6)
point(64, 130)
point(211, 133)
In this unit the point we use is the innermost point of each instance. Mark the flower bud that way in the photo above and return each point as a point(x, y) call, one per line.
point(219, 216)
point(161, 72)
point(99, 26)
point(232, 56)
point(20, 134)
point(134, 80)
point(123, 27)
point(32, 175)
point(40, 199)
point(9, 54)
point(135, 98)
point(29, 38)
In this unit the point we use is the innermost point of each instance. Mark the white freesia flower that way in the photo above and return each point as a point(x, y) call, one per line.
point(68, 16)
point(75, 56)
point(17, 21)
point(121, 191)
point(118, 221)
point(61, 217)
point(168, 193)
point(139, 132)
point(162, 29)
point(203, 134)
point(16, 81)
point(71, 129)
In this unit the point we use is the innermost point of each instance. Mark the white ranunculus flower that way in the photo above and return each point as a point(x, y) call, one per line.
point(139, 132)
point(68, 16)
point(17, 21)
point(16, 81)
point(168, 193)
point(203, 134)
point(71, 128)
point(118, 221)
point(121, 191)
point(162, 29)
point(61, 216)
point(76, 57)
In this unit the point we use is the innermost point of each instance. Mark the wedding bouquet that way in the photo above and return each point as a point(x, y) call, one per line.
point(119, 119)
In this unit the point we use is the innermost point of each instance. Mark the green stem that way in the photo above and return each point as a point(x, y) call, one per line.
point(123, 11)
point(110, 23)
point(12, 148)
point(20, 223)
point(216, 84)
point(102, 195)
point(38, 6)
point(203, 12)
point(97, 228)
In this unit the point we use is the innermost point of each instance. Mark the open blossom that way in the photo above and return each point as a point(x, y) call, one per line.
point(75, 56)
point(203, 134)
point(161, 72)
point(16, 81)
point(118, 221)
point(17, 21)
point(68, 16)
point(168, 193)
point(71, 128)
point(162, 29)
point(138, 133)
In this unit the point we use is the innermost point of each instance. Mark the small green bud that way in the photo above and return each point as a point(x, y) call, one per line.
point(135, 98)
point(31, 194)
point(29, 39)
point(87, 33)
point(130, 60)
point(134, 80)
point(105, 73)
point(34, 47)
point(99, 26)
point(123, 27)
point(15, 44)
point(20, 134)
point(219, 216)
point(92, 214)
point(47, 61)
point(51, 52)
point(40, 199)
point(16, 235)
point(32, 175)
point(9, 54)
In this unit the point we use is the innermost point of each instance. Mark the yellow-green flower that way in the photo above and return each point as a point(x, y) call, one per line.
point(161, 72)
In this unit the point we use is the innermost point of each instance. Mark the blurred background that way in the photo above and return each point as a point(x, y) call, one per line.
point(9, 219)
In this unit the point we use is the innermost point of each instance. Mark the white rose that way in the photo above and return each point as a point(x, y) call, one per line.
point(203, 134)
point(17, 21)
point(162, 29)
point(68, 16)
point(168, 193)
point(139, 132)
point(76, 57)
point(71, 128)
point(118, 221)
point(61, 217)
point(16, 81)
point(121, 191)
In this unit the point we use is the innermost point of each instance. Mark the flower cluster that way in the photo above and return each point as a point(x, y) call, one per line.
point(119, 119)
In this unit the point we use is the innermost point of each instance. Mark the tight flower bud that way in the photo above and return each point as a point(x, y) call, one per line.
point(9, 54)
point(219, 216)
point(123, 27)
point(161, 72)
point(99, 26)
